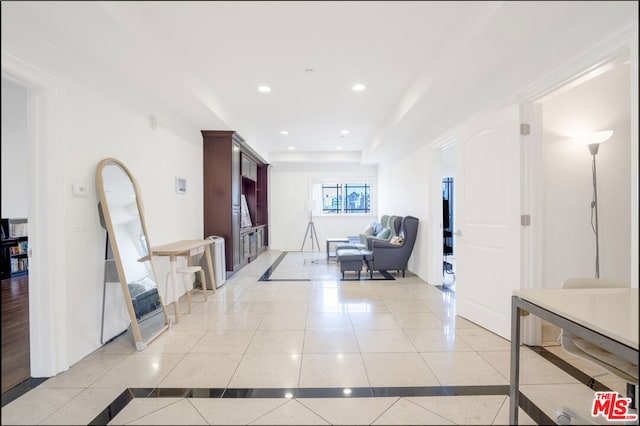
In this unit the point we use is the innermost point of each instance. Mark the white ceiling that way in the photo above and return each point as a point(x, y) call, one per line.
point(427, 65)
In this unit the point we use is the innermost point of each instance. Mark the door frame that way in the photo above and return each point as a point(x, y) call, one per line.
point(622, 45)
point(434, 193)
point(47, 267)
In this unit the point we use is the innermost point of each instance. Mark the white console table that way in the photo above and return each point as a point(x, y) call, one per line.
point(606, 317)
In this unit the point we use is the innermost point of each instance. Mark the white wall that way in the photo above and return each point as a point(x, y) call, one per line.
point(99, 123)
point(569, 243)
point(404, 190)
point(101, 127)
point(289, 190)
point(15, 165)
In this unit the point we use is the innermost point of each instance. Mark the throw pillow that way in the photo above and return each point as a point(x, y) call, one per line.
point(384, 234)
point(369, 230)
point(396, 240)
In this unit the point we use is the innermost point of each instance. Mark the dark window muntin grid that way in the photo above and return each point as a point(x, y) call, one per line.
point(362, 190)
point(336, 204)
point(340, 198)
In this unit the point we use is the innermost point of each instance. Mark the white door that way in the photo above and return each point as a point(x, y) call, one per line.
point(488, 219)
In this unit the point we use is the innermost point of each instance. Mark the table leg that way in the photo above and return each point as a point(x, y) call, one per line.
point(514, 391)
point(202, 279)
point(207, 253)
point(174, 278)
point(188, 292)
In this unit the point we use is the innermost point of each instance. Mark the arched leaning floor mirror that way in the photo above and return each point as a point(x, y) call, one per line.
point(128, 242)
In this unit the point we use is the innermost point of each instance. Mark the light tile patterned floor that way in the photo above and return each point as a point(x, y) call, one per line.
point(319, 332)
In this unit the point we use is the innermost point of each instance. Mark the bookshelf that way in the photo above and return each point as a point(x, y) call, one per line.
point(15, 248)
point(232, 171)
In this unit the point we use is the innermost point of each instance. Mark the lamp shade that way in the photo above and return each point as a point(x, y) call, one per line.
point(311, 205)
point(595, 138)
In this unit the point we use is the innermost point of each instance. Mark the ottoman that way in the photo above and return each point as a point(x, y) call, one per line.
point(350, 260)
point(367, 256)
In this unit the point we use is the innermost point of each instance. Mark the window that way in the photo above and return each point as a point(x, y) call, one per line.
point(331, 199)
point(348, 198)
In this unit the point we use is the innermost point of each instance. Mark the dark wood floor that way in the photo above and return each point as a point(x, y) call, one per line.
point(15, 331)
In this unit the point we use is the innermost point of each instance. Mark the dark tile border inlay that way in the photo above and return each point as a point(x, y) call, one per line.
point(115, 407)
point(532, 410)
point(110, 412)
point(21, 388)
point(574, 372)
point(260, 393)
point(443, 288)
point(271, 269)
point(118, 404)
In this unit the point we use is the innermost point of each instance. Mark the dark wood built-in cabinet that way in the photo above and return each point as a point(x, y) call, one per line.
point(232, 169)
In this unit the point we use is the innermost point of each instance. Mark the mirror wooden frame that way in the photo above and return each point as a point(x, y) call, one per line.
point(140, 343)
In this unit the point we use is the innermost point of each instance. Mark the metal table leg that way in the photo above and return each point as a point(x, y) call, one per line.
point(514, 391)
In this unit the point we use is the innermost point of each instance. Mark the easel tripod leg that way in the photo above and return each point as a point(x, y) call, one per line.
point(304, 240)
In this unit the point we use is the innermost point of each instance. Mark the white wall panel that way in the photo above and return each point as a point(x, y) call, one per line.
point(290, 186)
point(404, 190)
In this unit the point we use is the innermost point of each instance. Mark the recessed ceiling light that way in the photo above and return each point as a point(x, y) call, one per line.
point(338, 148)
point(291, 148)
point(284, 132)
point(358, 87)
point(264, 89)
point(344, 132)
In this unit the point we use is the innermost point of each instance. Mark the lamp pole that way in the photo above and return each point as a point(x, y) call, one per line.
point(593, 149)
point(593, 141)
point(311, 232)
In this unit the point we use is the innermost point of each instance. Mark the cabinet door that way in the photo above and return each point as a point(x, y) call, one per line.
point(254, 170)
point(235, 205)
point(244, 165)
point(260, 238)
point(249, 168)
point(246, 247)
point(254, 244)
point(235, 175)
point(236, 243)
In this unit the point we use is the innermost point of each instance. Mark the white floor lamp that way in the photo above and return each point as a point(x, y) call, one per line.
point(593, 141)
point(311, 229)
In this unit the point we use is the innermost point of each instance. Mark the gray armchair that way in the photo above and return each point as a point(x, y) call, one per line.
point(387, 256)
point(390, 228)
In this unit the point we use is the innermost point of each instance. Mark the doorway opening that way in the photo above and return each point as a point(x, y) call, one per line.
point(448, 257)
point(16, 349)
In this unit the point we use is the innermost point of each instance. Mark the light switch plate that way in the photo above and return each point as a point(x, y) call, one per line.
point(181, 185)
point(80, 190)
